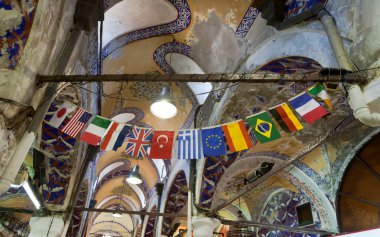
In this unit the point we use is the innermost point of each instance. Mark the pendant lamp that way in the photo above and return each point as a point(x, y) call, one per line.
point(134, 177)
point(164, 108)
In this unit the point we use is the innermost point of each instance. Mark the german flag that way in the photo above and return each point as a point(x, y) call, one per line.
point(286, 118)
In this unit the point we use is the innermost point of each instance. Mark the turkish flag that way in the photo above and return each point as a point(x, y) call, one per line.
point(161, 145)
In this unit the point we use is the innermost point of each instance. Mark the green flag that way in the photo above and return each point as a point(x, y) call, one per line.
point(263, 127)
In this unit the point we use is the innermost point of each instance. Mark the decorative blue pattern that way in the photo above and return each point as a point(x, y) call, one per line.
point(171, 47)
point(13, 192)
point(182, 22)
point(247, 22)
point(281, 210)
point(295, 7)
point(59, 147)
point(13, 40)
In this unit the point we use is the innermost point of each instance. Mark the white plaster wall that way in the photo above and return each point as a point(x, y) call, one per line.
point(182, 64)
point(292, 42)
point(130, 15)
point(215, 46)
point(365, 48)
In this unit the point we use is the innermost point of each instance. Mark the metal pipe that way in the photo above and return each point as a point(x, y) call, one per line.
point(15, 162)
point(337, 46)
point(343, 76)
point(356, 98)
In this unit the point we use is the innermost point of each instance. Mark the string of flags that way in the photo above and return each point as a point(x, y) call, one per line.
point(192, 143)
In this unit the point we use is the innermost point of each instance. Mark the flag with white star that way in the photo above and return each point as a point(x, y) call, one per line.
point(213, 142)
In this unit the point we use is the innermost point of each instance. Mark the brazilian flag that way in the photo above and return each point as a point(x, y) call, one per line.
point(263, 127)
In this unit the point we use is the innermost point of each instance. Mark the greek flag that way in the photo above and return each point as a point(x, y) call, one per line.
point(189, 144)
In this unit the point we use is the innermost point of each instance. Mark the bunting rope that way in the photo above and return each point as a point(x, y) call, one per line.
point(193, 143)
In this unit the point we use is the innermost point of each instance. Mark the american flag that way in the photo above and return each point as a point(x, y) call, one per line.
point(77, 122)
point(189, 144)
point(138, 142)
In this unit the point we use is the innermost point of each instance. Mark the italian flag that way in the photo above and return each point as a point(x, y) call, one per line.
point(319, 91)
point(96, 130)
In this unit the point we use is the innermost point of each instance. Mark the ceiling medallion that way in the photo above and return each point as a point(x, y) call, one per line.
point(122, 190)
point(147, 90)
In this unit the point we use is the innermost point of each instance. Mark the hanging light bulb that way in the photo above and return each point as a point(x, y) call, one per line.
point(134, 177)
point(163, 108)
point(117, 215)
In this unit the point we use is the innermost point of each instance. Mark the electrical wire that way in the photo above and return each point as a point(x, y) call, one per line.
point(15, 102)
point(174, 98)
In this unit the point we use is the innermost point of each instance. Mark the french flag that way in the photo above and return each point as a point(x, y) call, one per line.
point(115, 136)
point(307, 107)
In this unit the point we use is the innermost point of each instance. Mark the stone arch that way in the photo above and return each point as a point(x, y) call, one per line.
point(76, 221)
point(149, 223)
point(175, 197)
point(58, 148)
point(315, 45)
point(319, 200)
point(357, 197)
point(344, 158)
point(117, 173)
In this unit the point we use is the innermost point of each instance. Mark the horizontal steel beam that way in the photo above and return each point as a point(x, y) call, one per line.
point(30, 211)
point(131, 212)
point(221, 77)
point(18, 210)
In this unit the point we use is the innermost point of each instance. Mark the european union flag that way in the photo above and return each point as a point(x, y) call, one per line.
point(213, 142)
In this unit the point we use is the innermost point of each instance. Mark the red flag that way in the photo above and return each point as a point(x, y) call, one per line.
point(162, 144)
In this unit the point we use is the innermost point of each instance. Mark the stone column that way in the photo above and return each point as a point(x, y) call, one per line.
point(204, 226)
point(49, 226)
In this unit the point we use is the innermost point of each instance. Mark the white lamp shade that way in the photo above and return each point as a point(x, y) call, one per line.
point(117, 215)
point(163, 109)
point(134, 180)
point(134, 177)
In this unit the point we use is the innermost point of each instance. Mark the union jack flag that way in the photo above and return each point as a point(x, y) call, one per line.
point(138, 142)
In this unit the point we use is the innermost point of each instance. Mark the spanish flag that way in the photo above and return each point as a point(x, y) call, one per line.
point(237, 136)
point(286, 118)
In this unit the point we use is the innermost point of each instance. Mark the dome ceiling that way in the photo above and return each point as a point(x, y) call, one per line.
point(130, 47)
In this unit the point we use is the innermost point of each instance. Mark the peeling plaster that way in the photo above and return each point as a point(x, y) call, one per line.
point(216, 47)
